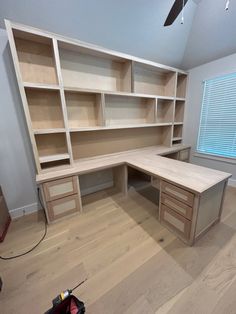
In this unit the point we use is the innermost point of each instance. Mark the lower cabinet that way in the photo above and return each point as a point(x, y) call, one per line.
point(63, 207)
point(175, 221)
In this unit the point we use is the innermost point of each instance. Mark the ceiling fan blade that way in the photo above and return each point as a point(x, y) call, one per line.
point(175, 11)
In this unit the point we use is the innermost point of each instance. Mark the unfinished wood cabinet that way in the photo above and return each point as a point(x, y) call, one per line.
point(181, 85)
point(70, 87)
point(89, 69)
point(175, 222)
point(153, 80)
point(178, 193)
point(36, 58)
point(129, 110)
point(60, 188)
point(63, 207)
point(83, 109)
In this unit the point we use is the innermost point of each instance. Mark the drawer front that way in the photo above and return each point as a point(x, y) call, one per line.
point(184, 155)
point(60, 188)
point(175, 222)
point(155, 182)
point(63, 207)
point(179, 207)
point(178, 193)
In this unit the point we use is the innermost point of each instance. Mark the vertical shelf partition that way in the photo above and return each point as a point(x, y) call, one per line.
point(83, 101)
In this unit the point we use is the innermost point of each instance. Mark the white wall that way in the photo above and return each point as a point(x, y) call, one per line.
point(130, 26)
point(17, 175)
point(212, 35)
point(193, 107)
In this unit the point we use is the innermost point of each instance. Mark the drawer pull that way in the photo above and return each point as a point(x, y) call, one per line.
point(175, 206)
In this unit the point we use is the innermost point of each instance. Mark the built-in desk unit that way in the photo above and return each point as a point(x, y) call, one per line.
point(92, 112)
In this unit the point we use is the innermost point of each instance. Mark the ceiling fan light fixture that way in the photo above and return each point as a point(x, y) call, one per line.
point(227, 5)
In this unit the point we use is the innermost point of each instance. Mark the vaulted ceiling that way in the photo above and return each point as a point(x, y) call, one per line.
point(136, 26)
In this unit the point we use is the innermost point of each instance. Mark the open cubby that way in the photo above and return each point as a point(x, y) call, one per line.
point(85, 68)
point(89, 144)
point(45, 108)
point(57, 164)
point(154, 81)
point(179, 111)
point(36, 58)
point(83, 109)
point(51, 147)
point(127, 110)
point(181, 85)
point(177, 133)
point(165, 111)
point(176, 142)
point(172, 155)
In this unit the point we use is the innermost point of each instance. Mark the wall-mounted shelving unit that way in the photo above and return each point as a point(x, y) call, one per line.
point(82, 101)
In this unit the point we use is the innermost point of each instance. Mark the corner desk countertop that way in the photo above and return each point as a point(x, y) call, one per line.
point(149, 159)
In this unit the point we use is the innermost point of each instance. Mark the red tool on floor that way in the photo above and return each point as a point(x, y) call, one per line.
point(66, 303)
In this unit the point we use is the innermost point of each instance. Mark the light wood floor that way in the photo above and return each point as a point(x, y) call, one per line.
point(132, 263)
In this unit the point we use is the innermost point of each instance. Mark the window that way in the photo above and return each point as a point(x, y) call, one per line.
point(217, 130)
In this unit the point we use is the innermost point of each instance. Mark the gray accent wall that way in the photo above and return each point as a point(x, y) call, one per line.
point(193, 108)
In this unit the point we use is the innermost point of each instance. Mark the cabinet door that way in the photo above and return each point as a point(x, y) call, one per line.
point(60, 188)
point(179, 207)
point(184, 155)
point(178, 193)
point(63, 207)
point(175, 222)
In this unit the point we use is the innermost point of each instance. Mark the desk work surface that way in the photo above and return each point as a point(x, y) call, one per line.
point(193, 177)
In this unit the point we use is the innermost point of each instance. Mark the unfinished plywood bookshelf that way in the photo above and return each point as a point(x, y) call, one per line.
point(78, 97)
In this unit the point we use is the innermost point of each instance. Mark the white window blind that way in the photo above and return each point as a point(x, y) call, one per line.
point(217, 130)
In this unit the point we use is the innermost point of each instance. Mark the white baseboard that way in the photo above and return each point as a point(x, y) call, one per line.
point(97, 188)
point(232, 182)
point(25, 210)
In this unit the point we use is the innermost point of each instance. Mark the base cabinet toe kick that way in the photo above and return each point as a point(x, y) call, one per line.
point(187, 214)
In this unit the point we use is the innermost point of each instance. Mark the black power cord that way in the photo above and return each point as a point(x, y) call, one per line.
point(5, 258)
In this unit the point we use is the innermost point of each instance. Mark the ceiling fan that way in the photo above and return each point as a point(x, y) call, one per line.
point(178, 6)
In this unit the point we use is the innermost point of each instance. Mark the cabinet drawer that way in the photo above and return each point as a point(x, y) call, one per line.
point(60, 188)
point(178, 193)
point(175, 222)
point(155, 182)
point(63, 207)
point(176, 205)
point(184, 155)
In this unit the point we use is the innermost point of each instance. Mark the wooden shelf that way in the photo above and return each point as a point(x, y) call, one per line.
point(41, 86)
point(45, 108)
point(117, 127)
point(53, 158)
point(49, 131)
point(153, 80)
point(129, 94)
point(36, 58)
point(124, 110)
point(165, 110)
point(51, 145)
point(176, 139)
point(84, 109)
point(84, 68)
